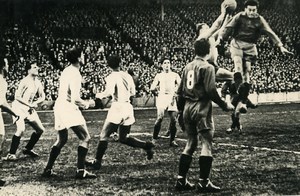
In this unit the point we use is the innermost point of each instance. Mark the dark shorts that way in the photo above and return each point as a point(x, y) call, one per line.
point(197, 116)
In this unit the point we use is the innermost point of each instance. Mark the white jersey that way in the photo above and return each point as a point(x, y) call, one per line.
point(3, 89)
point(168, 82)
point(28, 88)
point(66, 110)
point(120, 86)
point(69, 85)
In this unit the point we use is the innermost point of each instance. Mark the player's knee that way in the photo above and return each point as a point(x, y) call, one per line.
point(103, 136)
point(85, 138)
point(19, 132)
point(159, 120)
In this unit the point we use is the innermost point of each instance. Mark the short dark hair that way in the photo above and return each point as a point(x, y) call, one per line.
point(113, 61)
point(73, 54)
point(202, 47)
point(251, 3)
point(28, 65)
point(163, 58)
point(237, 76)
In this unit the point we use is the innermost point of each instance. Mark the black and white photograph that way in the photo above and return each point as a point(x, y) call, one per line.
point(149, 97)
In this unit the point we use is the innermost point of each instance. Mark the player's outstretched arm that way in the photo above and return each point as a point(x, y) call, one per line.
point(267, 29)
point(216, 25)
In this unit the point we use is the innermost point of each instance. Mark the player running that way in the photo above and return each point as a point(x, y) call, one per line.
point(164, 86)
point(120, 87)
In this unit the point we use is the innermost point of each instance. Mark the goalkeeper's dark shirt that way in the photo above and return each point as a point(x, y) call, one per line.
point(249, 29)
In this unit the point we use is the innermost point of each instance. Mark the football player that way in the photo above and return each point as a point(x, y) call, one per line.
point(211, 33)
point(239, 92)
point(24, 105)
point(164, 86)
point(120, 87)
point(3, 104)
point(67, 115)
point(246, 28)
point(197, 90)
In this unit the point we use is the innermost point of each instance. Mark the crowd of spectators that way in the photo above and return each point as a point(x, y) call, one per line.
point(140, 36)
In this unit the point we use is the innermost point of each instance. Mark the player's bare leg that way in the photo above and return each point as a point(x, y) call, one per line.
point(224, 75)
point(238, 64)
point(247, 70)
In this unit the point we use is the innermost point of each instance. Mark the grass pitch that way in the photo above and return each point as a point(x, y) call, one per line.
point(263, 160)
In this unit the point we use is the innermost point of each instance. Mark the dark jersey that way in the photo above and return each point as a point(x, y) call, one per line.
point(198, 82)
point(249, 29)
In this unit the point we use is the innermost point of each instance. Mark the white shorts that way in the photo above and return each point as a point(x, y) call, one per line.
point(120, 113)
point(166, 102)
point(23, 111)
point(67, 115)
point(2, 131)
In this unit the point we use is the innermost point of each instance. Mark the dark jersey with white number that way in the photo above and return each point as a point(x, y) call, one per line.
point(198, 82)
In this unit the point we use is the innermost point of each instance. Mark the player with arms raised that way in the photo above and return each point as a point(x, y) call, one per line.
point(246, 28)
point(211, 33)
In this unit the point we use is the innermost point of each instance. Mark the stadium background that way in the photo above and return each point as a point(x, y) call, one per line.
point(141, 32)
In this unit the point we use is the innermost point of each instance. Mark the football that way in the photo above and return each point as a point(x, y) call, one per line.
point(231, 5)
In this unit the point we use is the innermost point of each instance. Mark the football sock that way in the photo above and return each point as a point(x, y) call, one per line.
point(55, 151)
point(233, 125)
point(134, 142)
point(101, 148)
point(14, 144)
point(33, 140)
point(237, 122)
point(157, 127)
point(184, 164)
point(82, 152)
point(173, 131)
point(205, 163)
